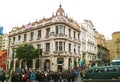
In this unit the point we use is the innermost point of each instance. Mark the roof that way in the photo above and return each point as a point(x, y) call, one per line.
point(60, 11)
point(90, 22)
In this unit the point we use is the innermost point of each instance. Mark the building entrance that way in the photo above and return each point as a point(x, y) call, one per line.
point(47, 65)
point(60, 64)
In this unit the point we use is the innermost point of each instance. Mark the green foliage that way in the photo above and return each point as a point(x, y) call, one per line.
point(26, 51)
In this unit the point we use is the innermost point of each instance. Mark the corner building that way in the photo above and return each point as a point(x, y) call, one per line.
point(57, 36)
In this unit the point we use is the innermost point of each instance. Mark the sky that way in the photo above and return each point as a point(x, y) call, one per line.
point(104, 14)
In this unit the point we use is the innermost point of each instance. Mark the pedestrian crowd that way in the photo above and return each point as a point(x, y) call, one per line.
point(41, 76)
point(4, 76)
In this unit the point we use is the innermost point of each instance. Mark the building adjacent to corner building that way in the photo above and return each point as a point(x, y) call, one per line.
point(88, 43)
point(115, 45)
point(3, 42)
point(57, 36)
point(3, 50)
point(103, 46)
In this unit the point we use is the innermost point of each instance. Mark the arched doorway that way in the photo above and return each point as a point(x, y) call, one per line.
point(60, 64)
point(75, 64)
point(47, 65)
point(38, 63)
point(17, 65)
point(11, 65)
point(70, 64)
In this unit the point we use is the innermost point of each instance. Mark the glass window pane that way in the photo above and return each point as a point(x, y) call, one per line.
point(47, 47)
point(60, 46)
point(56, 46)
point(39, 33)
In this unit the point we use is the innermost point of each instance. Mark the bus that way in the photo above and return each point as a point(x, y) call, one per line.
point(103, 72)
point(116, 61)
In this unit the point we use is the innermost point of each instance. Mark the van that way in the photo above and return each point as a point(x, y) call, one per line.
point(103, 72)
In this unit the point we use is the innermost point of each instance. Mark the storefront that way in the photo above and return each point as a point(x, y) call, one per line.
point(60, 64)
point(47, 65)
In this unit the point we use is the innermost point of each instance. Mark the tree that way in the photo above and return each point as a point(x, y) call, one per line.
point(27, 52)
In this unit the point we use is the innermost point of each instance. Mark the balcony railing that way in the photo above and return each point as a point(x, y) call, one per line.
point(24, 41)
point(62, 53)
point(46, 53)
point(47, 36)
point(38, 38)
point(60, 35)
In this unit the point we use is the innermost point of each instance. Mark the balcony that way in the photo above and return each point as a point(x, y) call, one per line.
point(38, 38)
point(61, 35)
point(24, 41)
point(70, 53)
point(70, 37)
point(60, 53)
point(47, 36)
point(46, 53)
point(31, 40)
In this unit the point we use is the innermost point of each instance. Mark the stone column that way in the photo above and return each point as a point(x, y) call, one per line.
point(34, 64)
point(66, 63)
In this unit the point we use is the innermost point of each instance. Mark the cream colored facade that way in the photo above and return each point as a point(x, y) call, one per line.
point(88, 43)
point(58, 37)
point(4, 41)
point(115, 46)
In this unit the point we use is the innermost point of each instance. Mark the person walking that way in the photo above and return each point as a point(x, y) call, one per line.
point(76, 72)
point(24, 76)
point(32, 77)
